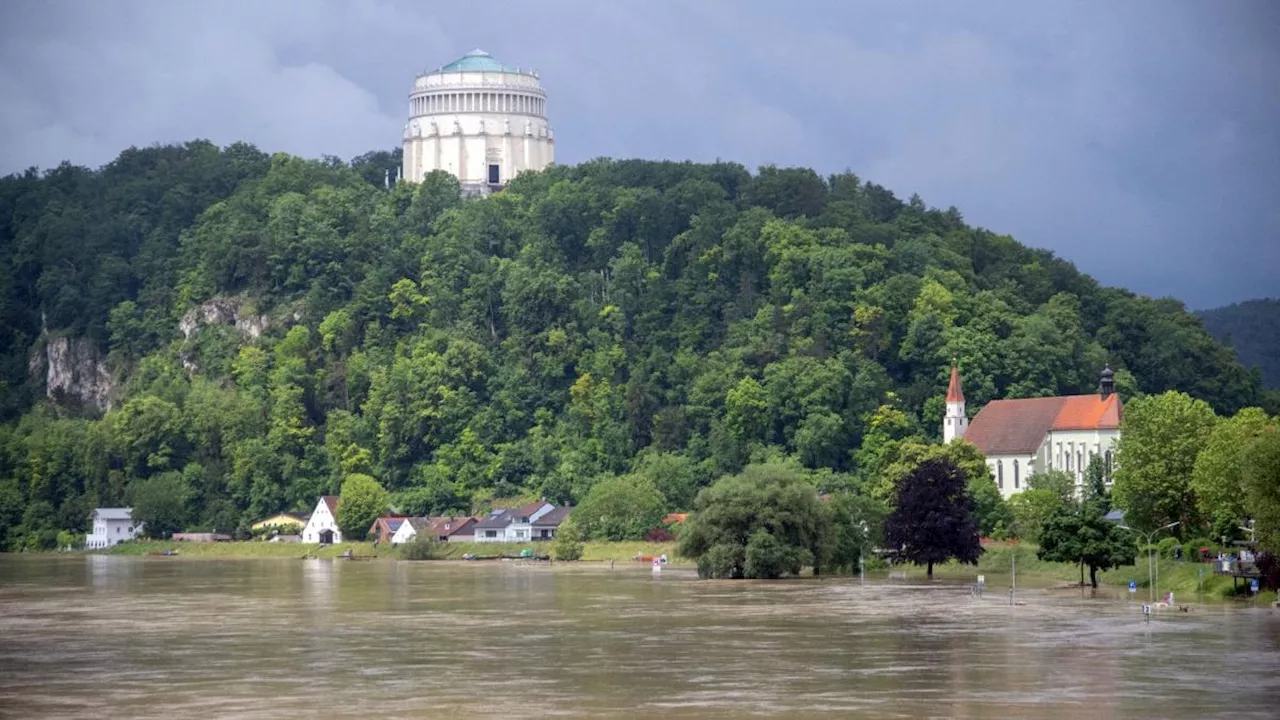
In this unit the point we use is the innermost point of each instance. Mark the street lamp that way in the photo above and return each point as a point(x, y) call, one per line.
point(1152, 579)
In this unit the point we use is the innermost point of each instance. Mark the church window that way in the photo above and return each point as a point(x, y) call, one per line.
point(1000, 474)
point(1015, 474)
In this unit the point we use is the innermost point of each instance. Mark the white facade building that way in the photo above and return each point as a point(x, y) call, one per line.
point(511, 525)
point(479, 120)
point(112, 526)
point(322, 526)
point(1024, 436)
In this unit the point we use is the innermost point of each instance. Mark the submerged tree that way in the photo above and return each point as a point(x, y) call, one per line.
point(763, 523)
point(1081, 533)
point(933, 520)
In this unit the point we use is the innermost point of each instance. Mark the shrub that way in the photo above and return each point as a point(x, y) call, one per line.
point(422, 548)
point(659, 535)
point(568, 542)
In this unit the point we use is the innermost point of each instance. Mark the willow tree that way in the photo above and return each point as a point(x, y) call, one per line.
point(763, 523)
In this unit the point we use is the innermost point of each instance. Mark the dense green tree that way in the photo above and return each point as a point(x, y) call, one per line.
point(1262, 487)
point(620, 508)
point(1253, 329)
point(933, 516)
point(361, 501)
point(267, 325)
point(1031, 509)
point(1080, 533)
point(1059, 482)
point(1161, 437)
point(763, 523)
point(160, 502)
point(1218, 476)
point(857, 521)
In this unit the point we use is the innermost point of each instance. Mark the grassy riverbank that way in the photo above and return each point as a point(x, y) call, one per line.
point(1189, 582)
point(995, 564)
point(591, 551)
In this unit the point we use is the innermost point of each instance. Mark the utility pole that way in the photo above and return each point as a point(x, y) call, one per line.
point(1013, 575)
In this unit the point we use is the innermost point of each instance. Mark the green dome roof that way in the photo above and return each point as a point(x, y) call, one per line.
point(476, 61)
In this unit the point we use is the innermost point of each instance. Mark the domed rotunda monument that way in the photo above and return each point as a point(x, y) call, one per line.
point(479, 120)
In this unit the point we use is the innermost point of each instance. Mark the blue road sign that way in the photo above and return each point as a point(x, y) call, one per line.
point(1133, 586)
point(1253, 585)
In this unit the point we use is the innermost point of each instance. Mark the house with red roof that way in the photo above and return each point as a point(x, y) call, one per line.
point(322, 526)
point(1028, 435)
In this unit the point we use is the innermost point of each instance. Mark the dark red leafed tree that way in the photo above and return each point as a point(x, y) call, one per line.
point(933, 519)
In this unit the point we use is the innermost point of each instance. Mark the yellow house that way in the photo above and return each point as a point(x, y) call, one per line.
point(283, 521)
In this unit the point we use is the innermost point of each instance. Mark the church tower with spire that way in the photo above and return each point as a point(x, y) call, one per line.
point(955, 423)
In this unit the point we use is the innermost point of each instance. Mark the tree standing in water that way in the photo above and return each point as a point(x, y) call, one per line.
point(933, 520)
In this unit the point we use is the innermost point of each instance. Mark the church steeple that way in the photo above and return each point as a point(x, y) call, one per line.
point(955, 423)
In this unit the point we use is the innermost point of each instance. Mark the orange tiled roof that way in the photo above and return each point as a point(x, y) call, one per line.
point(1019, 426)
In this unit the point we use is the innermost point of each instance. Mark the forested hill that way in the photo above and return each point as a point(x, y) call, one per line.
point(1253, 328)
point(261, 325)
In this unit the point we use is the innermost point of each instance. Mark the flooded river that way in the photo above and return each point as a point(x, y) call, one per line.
point(98, 637)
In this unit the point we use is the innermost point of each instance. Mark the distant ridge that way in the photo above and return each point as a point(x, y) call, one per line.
point(1252, 327)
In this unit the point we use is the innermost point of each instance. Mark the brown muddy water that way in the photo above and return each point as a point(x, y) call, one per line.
point(98, 637)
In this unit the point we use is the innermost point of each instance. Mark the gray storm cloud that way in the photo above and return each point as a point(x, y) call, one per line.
point(1138, 140)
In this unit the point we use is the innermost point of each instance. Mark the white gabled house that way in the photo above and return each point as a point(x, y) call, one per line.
point(409, 530)
point(512, 524)
point(322, 527)
point(112, 526)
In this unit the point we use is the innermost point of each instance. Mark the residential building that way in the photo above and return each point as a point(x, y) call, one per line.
point(442, 529)
point(545, 527)
point(385, 527)
point(511, 524)
point(283, 522)
point(1028, 435)
point(112, 526)
point(322, 526)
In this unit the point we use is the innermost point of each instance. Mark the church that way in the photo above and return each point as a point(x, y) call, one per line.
point(1028, 435)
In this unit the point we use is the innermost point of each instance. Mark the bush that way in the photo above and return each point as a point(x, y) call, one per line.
point(568, 542)
point(1164, 548)
point(422, 548)
point(659, 535)
point(1191, 549)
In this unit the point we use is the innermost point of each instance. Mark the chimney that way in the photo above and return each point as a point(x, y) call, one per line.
point(1108, 382)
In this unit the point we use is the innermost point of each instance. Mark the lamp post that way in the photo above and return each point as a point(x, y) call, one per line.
point(1152, 579)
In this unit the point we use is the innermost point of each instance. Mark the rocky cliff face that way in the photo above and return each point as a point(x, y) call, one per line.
point(75, 371)
point(223, 311)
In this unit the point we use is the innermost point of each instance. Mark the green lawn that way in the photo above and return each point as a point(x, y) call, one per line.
point(995, 563)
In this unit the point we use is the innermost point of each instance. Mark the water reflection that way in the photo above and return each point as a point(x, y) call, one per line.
point(159, 637)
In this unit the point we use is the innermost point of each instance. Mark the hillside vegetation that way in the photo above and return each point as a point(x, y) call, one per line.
point(1253, 328)
point(261, 326)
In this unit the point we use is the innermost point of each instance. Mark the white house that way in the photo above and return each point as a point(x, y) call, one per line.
point(512, 524)
point(112, 526)
point(322, 526)
point(409, 530)
point(1029, 435)
point(442, 529)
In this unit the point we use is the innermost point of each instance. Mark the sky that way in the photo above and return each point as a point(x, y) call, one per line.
point(1139, 140)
